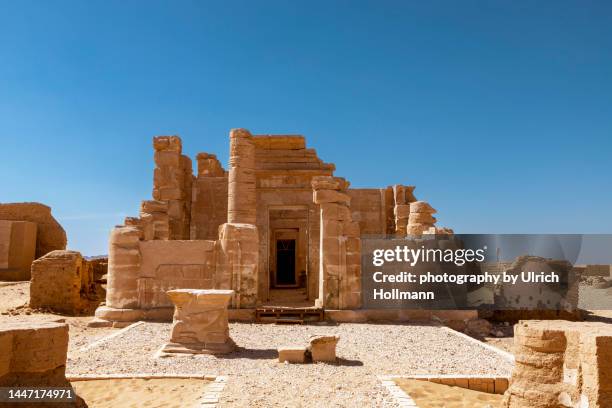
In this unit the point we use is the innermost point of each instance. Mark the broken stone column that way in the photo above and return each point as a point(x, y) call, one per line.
point(123, 269)
point(242, 206)
point(402, 197)
point(200, 323)
point(421, 218)
point(323, 348)
point(561, 364)
point(237, 262)
point(292, 354)
point(172, 181)
point(340, 246)
point(63, 282)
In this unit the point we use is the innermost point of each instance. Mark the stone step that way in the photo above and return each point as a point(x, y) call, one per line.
point(272, 314)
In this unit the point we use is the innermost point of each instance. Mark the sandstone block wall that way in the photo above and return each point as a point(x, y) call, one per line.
point(561, 364)
point(420, 218)
point(50, 234)
point(237, 262)
point(172, 182)
point(17, 249)
point(340, 246)
point(284, 169)
point(402, 196)
point(167, 265)
point(63, 282)
point(209, 200)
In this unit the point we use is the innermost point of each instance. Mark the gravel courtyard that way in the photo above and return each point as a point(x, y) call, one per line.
point(256, 379)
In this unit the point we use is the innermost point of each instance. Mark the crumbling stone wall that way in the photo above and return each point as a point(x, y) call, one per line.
point(172, 181)
point(231, 218)
point(63, 282)
point(561, 364)
point(340, 246)
point(50, 234)
point(209, 204)
point(17, 249)
point(284, 169)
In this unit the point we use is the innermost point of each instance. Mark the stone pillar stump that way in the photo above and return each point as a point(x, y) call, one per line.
point(200, 324)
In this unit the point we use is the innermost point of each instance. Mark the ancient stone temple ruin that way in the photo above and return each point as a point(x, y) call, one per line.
point(277, 222)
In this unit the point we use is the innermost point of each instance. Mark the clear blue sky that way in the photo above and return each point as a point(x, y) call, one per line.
point(500, 112)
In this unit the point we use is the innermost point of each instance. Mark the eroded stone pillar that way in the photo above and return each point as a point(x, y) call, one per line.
point(123, 268)
point(402, 197)
point(421, 219)
point(200, 323)
point(237, 262)
point(242, 207)
point(339, 248)
point(561, 364)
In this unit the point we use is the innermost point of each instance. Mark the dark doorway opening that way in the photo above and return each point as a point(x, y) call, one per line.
point(285, 262)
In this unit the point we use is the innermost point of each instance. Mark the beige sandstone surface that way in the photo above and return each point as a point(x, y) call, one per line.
point(50, 234)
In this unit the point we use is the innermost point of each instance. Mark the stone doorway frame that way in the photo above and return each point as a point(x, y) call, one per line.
point(269, 235)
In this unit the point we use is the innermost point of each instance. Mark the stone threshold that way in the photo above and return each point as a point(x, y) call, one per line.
point(106, 316)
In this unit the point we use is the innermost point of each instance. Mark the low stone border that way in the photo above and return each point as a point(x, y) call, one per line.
point(491, 385)
point(504, 354)
point(210, 398)
point(11, 283)
point(109, 337)
point(402, 399)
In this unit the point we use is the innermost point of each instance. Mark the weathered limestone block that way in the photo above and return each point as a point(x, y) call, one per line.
point(292, 354)
point(123, 268)
point(33, 354)
point(561, 364)
point(237, 262)
point(50, 235)
point(154, 220)
point(63, 282)
point(200, 322)
point(167, 143)
point(421, 207)
point(323, 348)
point(172, 182)
point(330, 196)
point(420, 220)
point(209, 165)
point(17, 249)
point(280, 142)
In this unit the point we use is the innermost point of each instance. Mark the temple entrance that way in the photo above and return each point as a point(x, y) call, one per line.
point(288, 257)
point(283, 259)
point(285, 262)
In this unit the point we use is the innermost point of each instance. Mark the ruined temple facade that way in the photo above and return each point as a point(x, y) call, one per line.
point(277, 221)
